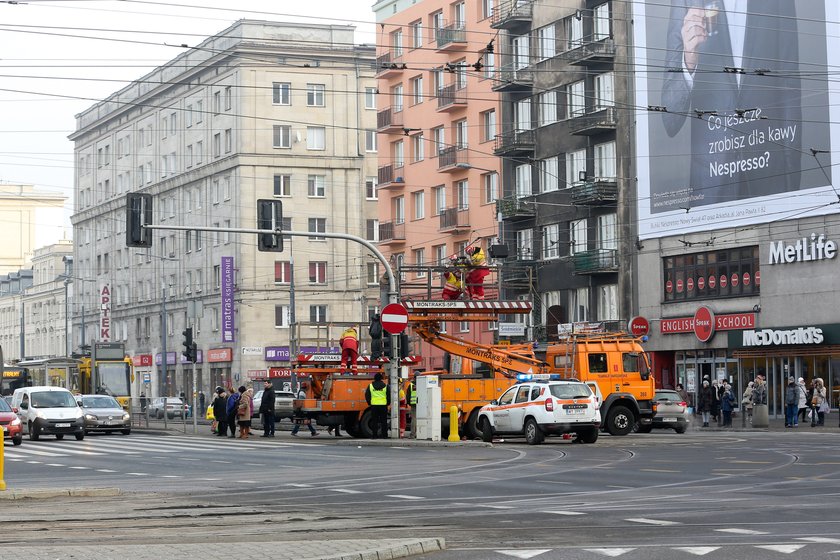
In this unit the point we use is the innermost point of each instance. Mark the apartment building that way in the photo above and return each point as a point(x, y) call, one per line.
point(262, 110)
point(31, 217)
point(438, 176)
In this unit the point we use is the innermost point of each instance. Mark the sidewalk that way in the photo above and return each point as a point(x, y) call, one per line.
point(775, 425)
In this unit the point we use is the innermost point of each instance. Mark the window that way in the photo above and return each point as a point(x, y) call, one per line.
point(601, 22)
point(438, 139)
point(217, 101)
point(372, 273)
point(199, 111)
point(199, 280)
point(418, 147)
point(164, 127)
point(459, 15)
point(550, 241)
point(316, 186)
point(188, 241)
point(281, 316)
point(317, 313)
point(604, 91)
point(608, 302)
point(216, 235)
point(489, 64)
point(228, 140)
point(487, 8)
point(397, 43)
point(215, 191)
point(605, 161)
point(399, 210)
point(370, 98)
point(579, 305)
point(315, 138)
point(189, 117)
point(419, 256)
point(440, 254)
point(607, 232)
point(370, 188)
point(521, 56)
point(397, 98)
point(577, 236)
point(575, 165)
point(437, 81)
point(488, 126)
point(547, 108)
point(713, 274)
point(317, 273)
point(523, 180)
point(462, 193)
point(370, 141)
point(189, 156)
point(317, 225)
point(546, 42)
point(199, 151)
point(459, 128)
point(282, 185)
point(525, 244)
point(281, 93)
point(399, 155)
point(575, 100)
point(217, 144)
point(228, 98)
point(417, 90)
point(216, 276)
point(226, 234)
point(419, 202)
point(173, 123)
point(372, 230)
point(574, 32)
point(436, 22)
point(549, 174)
point(416, 28)
point(490, 187)
point(286, 225)
point(315, 95)
point(440, 199)
point(522, 114)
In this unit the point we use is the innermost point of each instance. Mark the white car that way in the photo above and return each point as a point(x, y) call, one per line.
point(537, 408)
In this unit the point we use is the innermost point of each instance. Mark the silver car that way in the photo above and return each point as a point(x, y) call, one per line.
point(104, 414)
point(175, 408)
point(671, 411)
point(282, 404)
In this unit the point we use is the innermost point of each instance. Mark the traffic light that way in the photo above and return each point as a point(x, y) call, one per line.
point(270, 216)
point(138, 213)
point(386, 345)
point(189, 351)
point(404, 346)
point(375, 330)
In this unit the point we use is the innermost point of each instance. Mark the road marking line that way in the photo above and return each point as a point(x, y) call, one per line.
point(741, 531)
point(523, 553)
point(344, 490)
point(299, 485)
point(207, 479)
point(819, 540)
point(170, 476)
point(562, 512)
point(34, 462)
point(660, 470)
point(611, 552)
point(60, 465)
point(13, 453)
point(697, 550)
point(105, 470)
point(134, 473)
point(80, 468)
point(783, 548)
point(404, 497)
point(651, 521)
point(495, 507)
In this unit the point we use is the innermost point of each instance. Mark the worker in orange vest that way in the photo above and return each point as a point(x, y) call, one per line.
point(349, 343)
point(478, 271)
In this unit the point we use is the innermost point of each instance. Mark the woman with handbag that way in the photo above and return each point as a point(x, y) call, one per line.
point(246, 405)
point(817, 401)
point(746, 400)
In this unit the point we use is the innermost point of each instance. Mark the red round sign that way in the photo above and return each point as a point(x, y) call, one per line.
point(758, 278)
point(638, 326)
point(394, 318)
point(734, 280)
point(704, 324)
point(701, 283)
point(669, 286)
point(712, 282)
point(723, 281)
point(679, 286)
point(690, 284)
point(746, 279)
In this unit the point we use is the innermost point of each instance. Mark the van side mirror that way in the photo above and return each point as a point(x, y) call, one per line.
point(24, 405)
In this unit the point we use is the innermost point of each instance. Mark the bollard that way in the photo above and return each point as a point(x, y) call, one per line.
point(2, 460)
point(453, 423)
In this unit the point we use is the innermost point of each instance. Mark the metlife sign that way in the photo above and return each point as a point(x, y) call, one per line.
point(809, 335)
point(813, 248)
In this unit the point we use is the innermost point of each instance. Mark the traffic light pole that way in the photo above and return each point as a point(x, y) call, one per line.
point(393, 297)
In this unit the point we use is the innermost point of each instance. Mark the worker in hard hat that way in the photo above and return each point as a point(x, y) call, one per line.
point(349, 343)
point(478, 271)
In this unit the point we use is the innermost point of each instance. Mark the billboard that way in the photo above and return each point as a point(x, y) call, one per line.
point(735, 112)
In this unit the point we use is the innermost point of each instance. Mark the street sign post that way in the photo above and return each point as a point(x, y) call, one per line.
point(394, 318)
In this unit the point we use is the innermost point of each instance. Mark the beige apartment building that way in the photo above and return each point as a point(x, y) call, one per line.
point(262, 110)
point(29, 217)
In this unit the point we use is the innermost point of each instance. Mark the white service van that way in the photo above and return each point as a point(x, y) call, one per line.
point(48, 410)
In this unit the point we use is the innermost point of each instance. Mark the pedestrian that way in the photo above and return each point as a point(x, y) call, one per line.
point(334, 430)
point(411, 395)
point(220, 412)
point(231, 406)
point(802, 392)
point(746, 400)
point(727, 403)
point(267, 409)
point(704, 402)
point(818, 403)
point(349, 343)
point(478, 271)
point(759, 395)
point(202, 400)
point(715, 406)
point(791, 403)
point(683, 395)
point(143, 402)
point(378, 398)
point(300, 418)
point(244, 410)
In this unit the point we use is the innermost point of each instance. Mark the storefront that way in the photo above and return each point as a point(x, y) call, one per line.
point(142, 373)
point(187, 369)
point(220, 362)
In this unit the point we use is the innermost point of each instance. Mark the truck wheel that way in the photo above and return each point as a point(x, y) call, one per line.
point(80, 436)
point(533, 434)
point(588, 436)
point(486, 430)
point(17, 440)
point(366, 424)
point(620, 421)
point(472, 427)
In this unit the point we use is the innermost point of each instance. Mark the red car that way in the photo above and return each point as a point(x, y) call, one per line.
point(10, 423)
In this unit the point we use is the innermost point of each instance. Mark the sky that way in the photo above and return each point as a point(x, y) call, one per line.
point(59, 57)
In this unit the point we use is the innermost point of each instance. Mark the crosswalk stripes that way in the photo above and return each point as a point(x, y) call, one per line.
point(615, 552)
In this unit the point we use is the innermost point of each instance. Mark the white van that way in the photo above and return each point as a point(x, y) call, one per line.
point(48, 410)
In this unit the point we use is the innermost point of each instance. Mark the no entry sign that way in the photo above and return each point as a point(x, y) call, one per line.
point(394, 318)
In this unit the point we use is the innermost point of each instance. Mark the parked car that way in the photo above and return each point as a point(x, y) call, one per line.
point(104, 414)
point(671, 412)
point(283, 401)
point(175, 408)
point(48, 410)
point(10, 423)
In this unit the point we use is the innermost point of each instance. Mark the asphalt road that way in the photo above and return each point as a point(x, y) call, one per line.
point(749, 495)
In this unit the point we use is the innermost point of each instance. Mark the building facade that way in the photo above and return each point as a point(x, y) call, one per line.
point(30, 217)
point(262, 110)
point(438, 177)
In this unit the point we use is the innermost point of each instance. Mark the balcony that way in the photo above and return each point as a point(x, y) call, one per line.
point(599, 261)
point(452, 37)
point(390, 120)
point(388, 177)
point(516, 142)
point(596, 122)
point(513, 76)
point(451, 98)
point(389, 64)
point(590, 52)
point(454, 220)
point(391, 233)
point(512, 208)
point(595, 192)
point(450, 157)
point(512, 14)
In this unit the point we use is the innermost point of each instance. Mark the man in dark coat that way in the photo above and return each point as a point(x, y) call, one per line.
point(705, 398)
point(220, 412)
point(267, 410)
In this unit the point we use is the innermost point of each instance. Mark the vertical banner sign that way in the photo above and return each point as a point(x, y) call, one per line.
point(227, 299)
point(105, 313)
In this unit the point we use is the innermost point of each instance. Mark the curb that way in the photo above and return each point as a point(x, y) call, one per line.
point(37, 494)
point(392, 551)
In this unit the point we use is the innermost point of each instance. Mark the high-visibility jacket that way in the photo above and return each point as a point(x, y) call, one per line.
point(412, 400)
point(378, 397)
point(478, 258)
point(453, 287)
point(349, 339)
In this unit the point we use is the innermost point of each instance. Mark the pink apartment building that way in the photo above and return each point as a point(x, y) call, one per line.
point(438, 179)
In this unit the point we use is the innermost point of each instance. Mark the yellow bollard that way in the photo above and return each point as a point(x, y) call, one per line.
point(2, 460)
point(453, 423)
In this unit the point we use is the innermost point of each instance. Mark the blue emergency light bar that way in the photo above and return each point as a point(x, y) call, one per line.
point(521, 377)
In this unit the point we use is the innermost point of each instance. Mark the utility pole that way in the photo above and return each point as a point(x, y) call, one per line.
point(163, 333)
point(22, 329)
point(293, 339)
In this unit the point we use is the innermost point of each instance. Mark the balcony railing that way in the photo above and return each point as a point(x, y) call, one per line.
point(597, 191)
point(595, 262)
point(514, 76)
point(602, 50)
point(513, 207)
point(450, 156)
point(391, 232)
point(596, 122)
point(389, 64)
point(515, 141)
point(452, 36)
point(388, 176)
point(390, 118)
point(453, 219)
point(451, 97)
point(511, 13)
